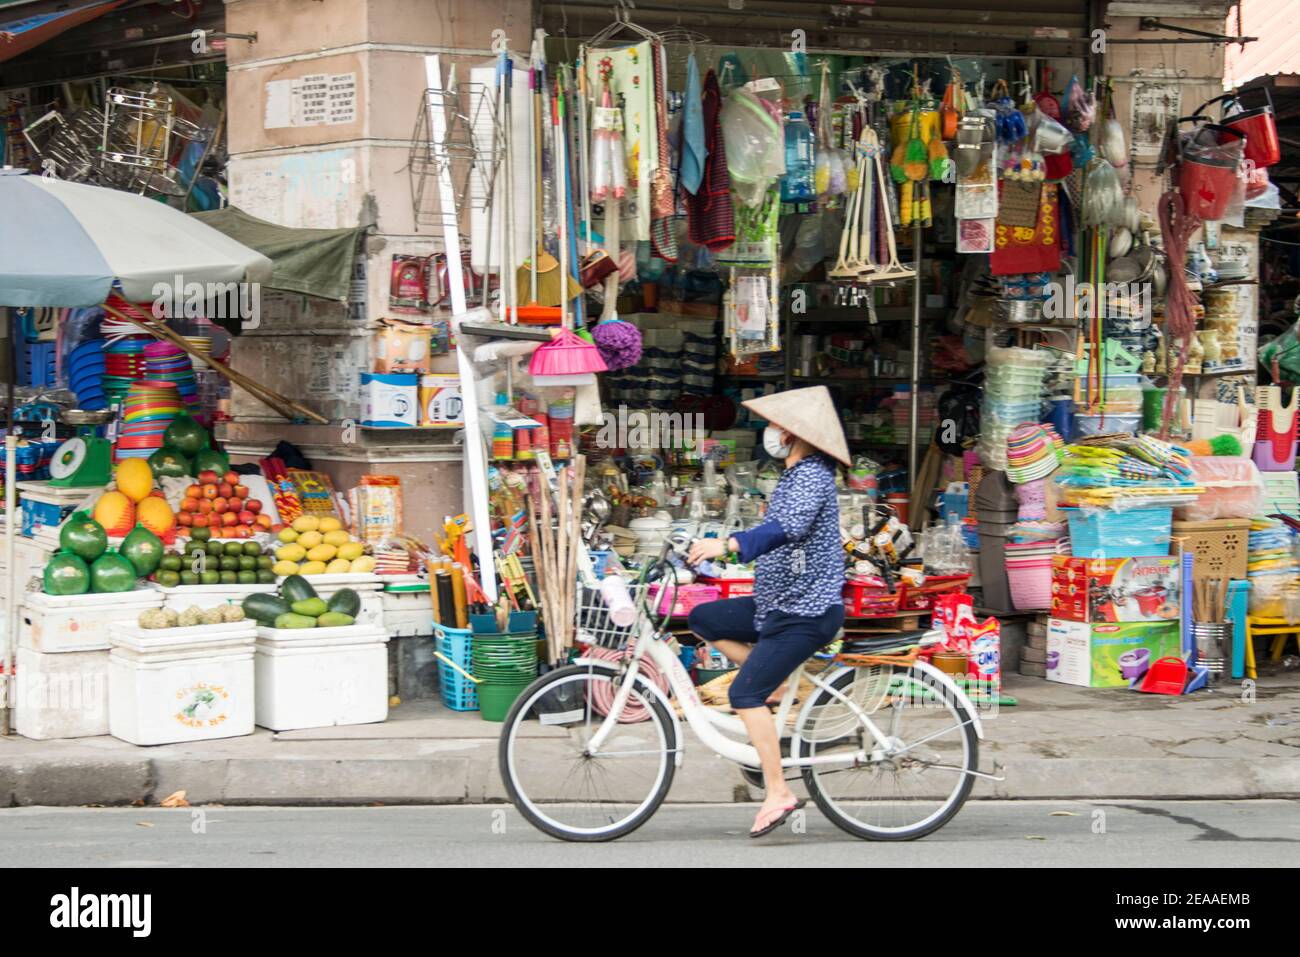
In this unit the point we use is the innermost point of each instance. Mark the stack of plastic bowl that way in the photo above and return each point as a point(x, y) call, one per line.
point(165, 362)
point(927, 403)
point(1013, 389)
point(85, 369)
point(147, 410)
point(123, 364)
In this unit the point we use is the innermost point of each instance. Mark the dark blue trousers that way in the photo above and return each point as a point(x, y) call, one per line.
point(781, 644)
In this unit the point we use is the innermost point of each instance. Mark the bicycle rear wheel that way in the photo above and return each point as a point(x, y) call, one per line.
point(906, 791)
point(565, 791)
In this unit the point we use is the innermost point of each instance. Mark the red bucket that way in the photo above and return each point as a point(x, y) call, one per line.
point(1207, 178)
point(1258, 126)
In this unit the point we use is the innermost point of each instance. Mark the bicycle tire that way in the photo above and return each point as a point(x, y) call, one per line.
point(857, 829)
point(525, 807)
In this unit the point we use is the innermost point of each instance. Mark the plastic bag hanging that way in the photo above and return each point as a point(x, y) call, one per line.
point(608, 160)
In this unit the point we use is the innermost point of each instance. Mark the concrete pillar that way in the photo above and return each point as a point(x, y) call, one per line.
point(296, 166)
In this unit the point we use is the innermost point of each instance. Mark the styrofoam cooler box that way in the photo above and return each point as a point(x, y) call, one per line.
point(60, 623)
point(368, 586)
point(407, 613)
point(321, 677)
point(172, 685)
point(30, 556)
point(207, 596)
point(63, 695)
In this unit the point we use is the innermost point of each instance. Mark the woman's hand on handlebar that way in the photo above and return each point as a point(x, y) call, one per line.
point(703, 549)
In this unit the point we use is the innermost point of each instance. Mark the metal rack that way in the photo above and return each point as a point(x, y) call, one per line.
point(468, 151)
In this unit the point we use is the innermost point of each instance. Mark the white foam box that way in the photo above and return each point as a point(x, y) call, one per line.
point(407, 613)
point(321, 677)
point(63, 623)
point(62, 695)
point(172, 685)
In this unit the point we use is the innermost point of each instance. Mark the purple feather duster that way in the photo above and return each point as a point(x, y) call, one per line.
point(619, 342)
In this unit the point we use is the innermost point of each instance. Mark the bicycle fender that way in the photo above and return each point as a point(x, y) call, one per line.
point(658, 693)
point(958, 692)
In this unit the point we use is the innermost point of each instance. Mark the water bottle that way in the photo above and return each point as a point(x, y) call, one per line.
point(797, 184)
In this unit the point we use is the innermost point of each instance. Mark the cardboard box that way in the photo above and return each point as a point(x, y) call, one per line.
point(1106, 655)
point(389, 400)
point(1115, 589)
point(441, 403)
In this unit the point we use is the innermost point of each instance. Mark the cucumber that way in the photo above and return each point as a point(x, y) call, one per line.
point(346, 601)
point(335, 619)
point(296, 588)
point(311, 607)
point(290, 620)
point(265, 609)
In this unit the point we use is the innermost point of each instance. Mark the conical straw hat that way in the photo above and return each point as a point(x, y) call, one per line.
point(807, 413)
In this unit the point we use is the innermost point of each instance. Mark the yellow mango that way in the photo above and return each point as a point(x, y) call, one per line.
point(312, 568)
point(322, 553)
point(364, 565)
point(291, 553)
point(306, 523)
point(288, 535)
point(336, 538)
point(310, 540)
point(351, 551)
point(329, 524)
point(285, 568)
point(340, 566)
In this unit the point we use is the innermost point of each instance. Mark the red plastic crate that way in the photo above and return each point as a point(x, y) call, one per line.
point(729, 587)
point(921, 597)
point(868, 601)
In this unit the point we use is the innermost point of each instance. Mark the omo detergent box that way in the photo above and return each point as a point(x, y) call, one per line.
point(1106, 655)
point(1115, 589)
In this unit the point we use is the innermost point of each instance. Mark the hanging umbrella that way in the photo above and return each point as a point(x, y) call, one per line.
point(65, 244)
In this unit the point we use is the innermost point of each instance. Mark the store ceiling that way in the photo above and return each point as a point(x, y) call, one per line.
point(1012, 27)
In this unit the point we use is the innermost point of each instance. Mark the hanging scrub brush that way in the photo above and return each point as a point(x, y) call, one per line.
point(619, 342)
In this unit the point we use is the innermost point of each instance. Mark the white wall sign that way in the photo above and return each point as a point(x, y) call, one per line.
point(318, 99)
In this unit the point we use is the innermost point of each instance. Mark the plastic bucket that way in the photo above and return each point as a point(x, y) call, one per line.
point(1206, 188)
point(494, 700)
point(1258, 126)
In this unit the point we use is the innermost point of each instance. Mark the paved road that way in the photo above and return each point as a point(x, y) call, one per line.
point(1019, 833)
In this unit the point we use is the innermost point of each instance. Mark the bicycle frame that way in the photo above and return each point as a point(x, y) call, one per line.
point(709, 725)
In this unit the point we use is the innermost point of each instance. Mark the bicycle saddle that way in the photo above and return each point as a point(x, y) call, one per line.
point(879, 644)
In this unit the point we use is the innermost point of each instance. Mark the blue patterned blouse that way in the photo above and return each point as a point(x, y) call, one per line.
point(800, 554)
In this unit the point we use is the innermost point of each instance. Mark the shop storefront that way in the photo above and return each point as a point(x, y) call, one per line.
point(520, 304)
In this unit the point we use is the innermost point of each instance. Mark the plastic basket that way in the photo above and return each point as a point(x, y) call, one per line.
point(458, 692)
point(868, 601)
point(730, 587)
point(1219, 546)
point(1132, 533)
point(1030, 583)
point(684, 598)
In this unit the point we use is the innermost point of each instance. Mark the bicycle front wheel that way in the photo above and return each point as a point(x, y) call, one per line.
point(558, 784)
point(896, 793)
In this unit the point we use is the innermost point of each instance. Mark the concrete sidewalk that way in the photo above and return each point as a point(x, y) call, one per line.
point(1058, 742)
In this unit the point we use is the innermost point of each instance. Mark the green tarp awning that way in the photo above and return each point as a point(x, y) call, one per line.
point(316, 262)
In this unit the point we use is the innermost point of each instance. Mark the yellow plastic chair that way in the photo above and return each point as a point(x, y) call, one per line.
point(1279, 628)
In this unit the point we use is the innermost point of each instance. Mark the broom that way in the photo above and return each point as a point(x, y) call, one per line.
point(566, 359)
point(541, 262)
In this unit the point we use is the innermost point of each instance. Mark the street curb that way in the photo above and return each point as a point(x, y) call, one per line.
point(469, 776)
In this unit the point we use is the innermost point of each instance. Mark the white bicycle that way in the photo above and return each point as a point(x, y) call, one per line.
point(888, 750)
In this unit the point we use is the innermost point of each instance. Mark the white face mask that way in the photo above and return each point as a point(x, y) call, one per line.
point(776, 443)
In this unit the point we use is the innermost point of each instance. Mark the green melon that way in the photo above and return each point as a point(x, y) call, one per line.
point(66, 574)
point(211, 459)
point(83, 536)
point(185, 435)
point(170, 462)
point(143, 549)
point(112, 572)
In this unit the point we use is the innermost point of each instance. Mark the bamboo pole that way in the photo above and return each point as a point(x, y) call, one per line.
point(562, 564)
point(267, 396)
point(571, 573)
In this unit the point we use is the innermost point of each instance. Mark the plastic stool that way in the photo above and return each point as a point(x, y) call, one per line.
point(1259, 627)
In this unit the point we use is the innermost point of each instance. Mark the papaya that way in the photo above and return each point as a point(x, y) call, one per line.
point(143, 549)
point(185, 435)
point(170, 462)
point(312, 607)
point(66, 574)
point(265, 609)
point(84, 537)
point(134, 479)
point(346, 601)
point(112, 572)
point(335, 619)
point(292, 620)
point(296, 588)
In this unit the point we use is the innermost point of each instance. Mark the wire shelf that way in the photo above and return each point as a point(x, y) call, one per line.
point(468, 152)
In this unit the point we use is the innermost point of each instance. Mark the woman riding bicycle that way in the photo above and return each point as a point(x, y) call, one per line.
point(797, 605)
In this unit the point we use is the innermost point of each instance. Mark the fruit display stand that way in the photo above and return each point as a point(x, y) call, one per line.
point(61, 695)
point(172, 685)
point(321, 677)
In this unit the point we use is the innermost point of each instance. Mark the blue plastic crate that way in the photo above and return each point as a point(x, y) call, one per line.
point(458, 692)
point(1132, 533)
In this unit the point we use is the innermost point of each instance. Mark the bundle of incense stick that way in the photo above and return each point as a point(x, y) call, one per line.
point(555, 540)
